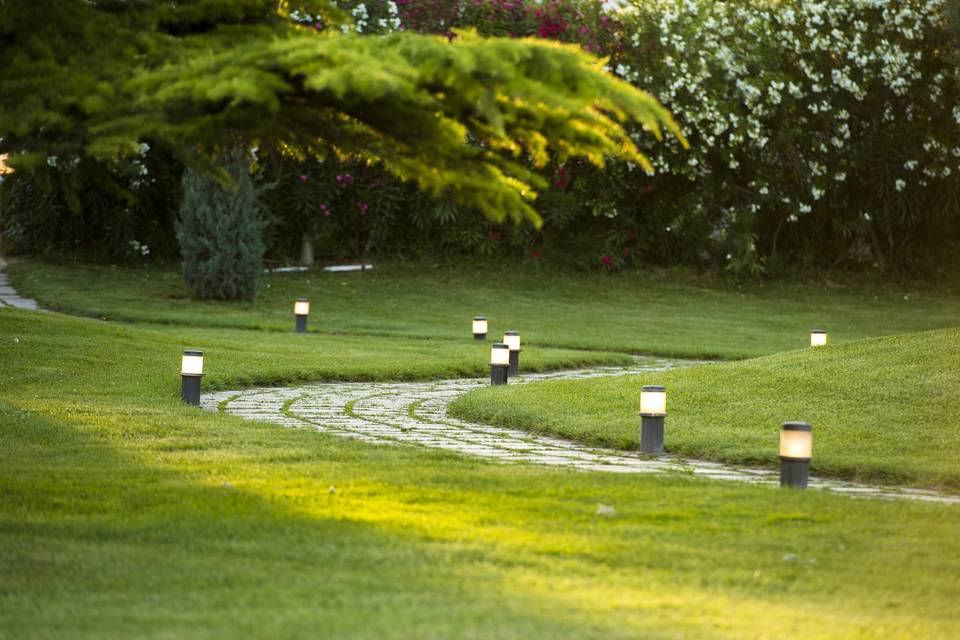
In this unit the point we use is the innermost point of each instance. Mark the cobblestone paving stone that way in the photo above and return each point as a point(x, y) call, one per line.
point(415, 413)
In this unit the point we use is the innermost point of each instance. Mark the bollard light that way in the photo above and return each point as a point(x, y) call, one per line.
point(301, 309)
point(653, 410)
point(479, 328)
point(512, 340)
point(191, 371)
point(818, 338)
point(499, 363)
point(796, 447)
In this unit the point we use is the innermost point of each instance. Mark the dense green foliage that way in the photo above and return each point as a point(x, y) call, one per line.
point(882, 410)
point(800, 158)
point(100, 79)
point(126, 513)
point(220, 234)
point(647, 313)
point(120, 210)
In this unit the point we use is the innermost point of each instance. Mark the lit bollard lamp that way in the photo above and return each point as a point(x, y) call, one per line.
point(818, 338)
point(499, 363)
point(479, 328)
point(653, 409)
point(796, 445)
point(301, 309)
point(512, 340)
point(191, 370)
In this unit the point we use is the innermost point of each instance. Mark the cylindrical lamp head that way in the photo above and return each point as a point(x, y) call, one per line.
point(192, 363)
point(479, 326)
point(512, 340)
point(500, 354)
point(796, 441)
point(653, 400)
point(818, 338)
point(301, 307)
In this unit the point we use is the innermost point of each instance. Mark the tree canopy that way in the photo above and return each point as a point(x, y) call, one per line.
point(467, 116)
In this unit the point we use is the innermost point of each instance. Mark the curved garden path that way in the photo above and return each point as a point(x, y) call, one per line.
point(415, 413)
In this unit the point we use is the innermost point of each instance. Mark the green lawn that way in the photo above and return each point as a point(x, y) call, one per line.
point(884, 409)
point(125, 513)
point(640, 313)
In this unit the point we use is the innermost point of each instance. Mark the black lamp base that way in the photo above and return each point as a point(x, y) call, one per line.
point(514, 363)
point(498, 374)
point(190, 389)
point(301, 324)
point(479, 336)
point(651, 434)
point(794, 473)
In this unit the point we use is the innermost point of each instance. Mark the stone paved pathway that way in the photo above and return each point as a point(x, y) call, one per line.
point(8, 295)
point(415, 413)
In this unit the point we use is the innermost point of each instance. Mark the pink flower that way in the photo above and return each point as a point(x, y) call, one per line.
point(606, 261)
point(345, 179)
point(562, 179)
point(303, 177)
point(362, 206)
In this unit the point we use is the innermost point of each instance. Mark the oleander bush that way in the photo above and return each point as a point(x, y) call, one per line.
point(823, 132)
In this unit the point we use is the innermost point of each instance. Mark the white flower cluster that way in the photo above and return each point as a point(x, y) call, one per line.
point(362, 18)
point(793, 90)
point(140, 248)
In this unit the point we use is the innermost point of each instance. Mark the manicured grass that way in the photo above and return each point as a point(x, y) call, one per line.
point(883, 409)
point(125, 513)
point(235, 358)
point(627, 312)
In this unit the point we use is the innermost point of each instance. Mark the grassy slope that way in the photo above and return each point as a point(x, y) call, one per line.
point(883, 409)
point(635, 313)
point(125, 513)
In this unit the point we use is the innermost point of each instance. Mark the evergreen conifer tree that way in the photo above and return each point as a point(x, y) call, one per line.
point(219, 232)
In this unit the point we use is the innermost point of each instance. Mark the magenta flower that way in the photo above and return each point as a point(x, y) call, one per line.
point(606, 261)
point(362, 206)
point(303, 177)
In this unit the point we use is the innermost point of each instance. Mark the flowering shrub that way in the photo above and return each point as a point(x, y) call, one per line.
point(826, 131)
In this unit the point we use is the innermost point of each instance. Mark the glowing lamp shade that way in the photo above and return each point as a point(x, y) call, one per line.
point(479, 325)
point(301, 307)
point(512, 340)
point(818, 338)
point(192, 363)
point(653, 400)
point(796, 441)
point(500, 354)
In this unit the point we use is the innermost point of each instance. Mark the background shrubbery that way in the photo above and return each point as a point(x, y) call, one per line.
point(824, 134)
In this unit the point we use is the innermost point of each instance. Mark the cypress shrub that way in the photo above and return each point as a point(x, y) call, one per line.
point(219, 232)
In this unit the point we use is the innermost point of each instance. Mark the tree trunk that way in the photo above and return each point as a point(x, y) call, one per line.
point(306, 250)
